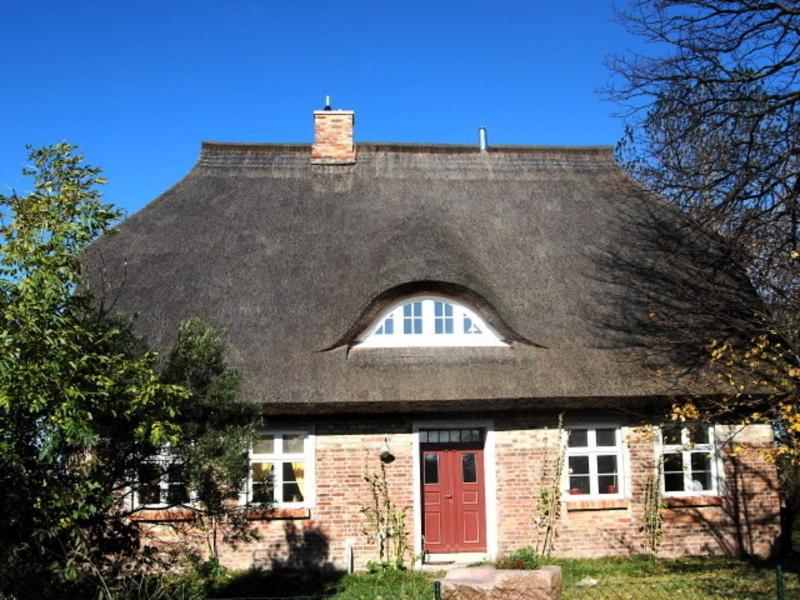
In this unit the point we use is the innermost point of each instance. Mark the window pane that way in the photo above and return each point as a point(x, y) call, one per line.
point(607, 484)
point(579, 485)
point(606, 437)
point(578, 438)
point(470, 326)
point(673, 463)
point(293, 481)
point(177, 492)
point(388, 326)
point(673, 482)
point(701, 461)
point(698, 434)
point(431, 468)
point(263, 483)
point(671, 436)
point(412, 318)
point(433, 437)
point(578, 465)
point(293, 444)
point(443, 318)
point(149, 484)
point(455, 436)
point(423, 437)
point(264, 444)
point(701, 471)
point(606, 464)
point(469, 472)
point(701, 481)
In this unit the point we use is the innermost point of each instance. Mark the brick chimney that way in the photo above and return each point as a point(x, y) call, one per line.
point(333, 137)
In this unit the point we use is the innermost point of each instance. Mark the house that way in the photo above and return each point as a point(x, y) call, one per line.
point(441, 306)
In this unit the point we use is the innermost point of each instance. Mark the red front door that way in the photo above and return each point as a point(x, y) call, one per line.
point(454, 515)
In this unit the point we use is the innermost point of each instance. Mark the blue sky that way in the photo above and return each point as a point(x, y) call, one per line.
point(138, 85)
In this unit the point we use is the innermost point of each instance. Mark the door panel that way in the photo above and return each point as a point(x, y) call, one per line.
point(434, 490)
point(468, 494)
point(454, 515)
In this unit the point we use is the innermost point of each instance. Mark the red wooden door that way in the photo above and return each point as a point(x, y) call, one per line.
point(454, 515)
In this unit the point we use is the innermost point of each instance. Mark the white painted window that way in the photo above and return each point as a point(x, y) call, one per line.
point(281, 470)
point(594, 463)
point(429, 321)
point(161, 483)
point(689, 461)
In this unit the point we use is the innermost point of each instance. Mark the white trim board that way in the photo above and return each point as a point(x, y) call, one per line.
point(489, 475)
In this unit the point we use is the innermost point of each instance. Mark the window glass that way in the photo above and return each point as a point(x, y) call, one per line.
point(697, 434)
point(264, 444)
point(387, 327)
point(701, 471)
point(470, 327)
point(578, 438)
point(607, 474)
point(579, 475)
point(443, 318)
point(149, 491)
point(673, 473)
point(293, 443)
point(177, 490)
point(278, 469)
point(606, 437)
point(430, 321)
point(293, 481)
point(672, 436)
point(688, 460)
point(412, 318)
point(431, 468)
point(594, 460)
point(263, 483)
point(468, 469)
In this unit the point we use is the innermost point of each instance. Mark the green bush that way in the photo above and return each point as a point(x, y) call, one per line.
point(523, 559)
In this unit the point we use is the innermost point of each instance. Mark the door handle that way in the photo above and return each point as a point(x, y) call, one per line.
point(448, 495)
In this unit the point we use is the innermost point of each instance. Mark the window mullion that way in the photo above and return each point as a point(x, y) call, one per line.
point(687, 470)
point(428, 319)
point(594, 485)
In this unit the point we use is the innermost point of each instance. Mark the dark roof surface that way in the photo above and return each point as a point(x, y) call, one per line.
point(292, 260)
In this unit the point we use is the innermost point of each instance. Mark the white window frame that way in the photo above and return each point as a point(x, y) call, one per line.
point(164, 460)
point(277, 457)
point(686, 449)
point(592, 450)
point(372, 338)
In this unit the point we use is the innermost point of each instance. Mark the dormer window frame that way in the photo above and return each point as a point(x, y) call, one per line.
point(425, 320)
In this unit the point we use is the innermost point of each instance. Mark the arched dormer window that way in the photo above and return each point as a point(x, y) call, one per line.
point(429, 321)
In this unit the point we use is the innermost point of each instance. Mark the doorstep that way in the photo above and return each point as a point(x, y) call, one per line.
point(452, 560)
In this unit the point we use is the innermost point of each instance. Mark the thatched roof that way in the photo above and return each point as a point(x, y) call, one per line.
point(294, 259)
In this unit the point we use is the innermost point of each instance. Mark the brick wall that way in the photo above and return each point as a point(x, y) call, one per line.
point(744, 520)
point(333, 137)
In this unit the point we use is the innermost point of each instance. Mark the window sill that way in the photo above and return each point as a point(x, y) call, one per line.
point(690, 501)
point(273, 514)
point(162, 515)
point(166, 515)
point(583, 505)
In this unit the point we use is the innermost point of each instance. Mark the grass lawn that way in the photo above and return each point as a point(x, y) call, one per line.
point(706, 578)
point(694, 578)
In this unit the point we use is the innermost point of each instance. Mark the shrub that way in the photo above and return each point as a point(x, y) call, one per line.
point(522, 559)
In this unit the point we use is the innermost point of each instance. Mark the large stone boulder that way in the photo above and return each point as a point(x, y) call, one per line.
point(488, 583)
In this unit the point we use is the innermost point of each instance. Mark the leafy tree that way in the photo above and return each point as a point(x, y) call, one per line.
point(82, 402)
point(713, 123)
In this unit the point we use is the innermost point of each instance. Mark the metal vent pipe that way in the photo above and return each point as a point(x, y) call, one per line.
point(482, 139)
